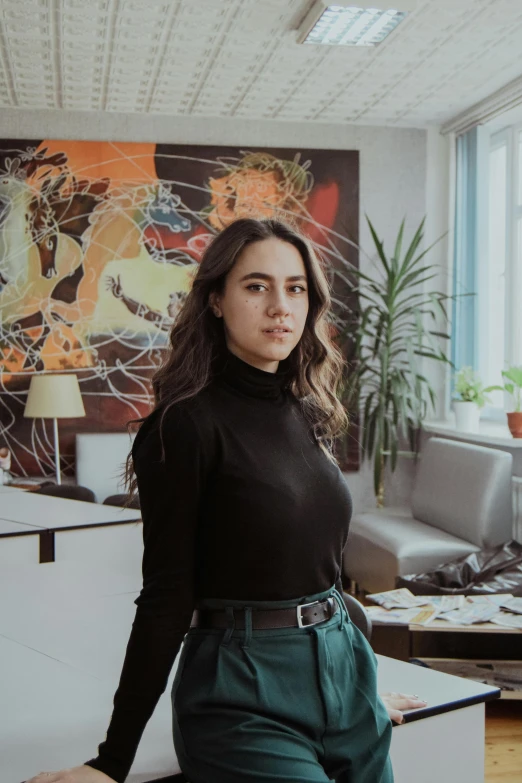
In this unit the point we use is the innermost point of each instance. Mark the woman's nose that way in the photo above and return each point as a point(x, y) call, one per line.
point(280, 303)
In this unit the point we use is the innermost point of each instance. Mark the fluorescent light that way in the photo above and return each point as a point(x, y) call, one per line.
point(351, 24)
point(380, 28)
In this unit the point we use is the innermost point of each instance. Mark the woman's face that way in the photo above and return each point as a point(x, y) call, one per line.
point(266, 289)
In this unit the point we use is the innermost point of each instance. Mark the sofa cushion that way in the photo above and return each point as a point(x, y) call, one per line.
point(465, 490)
point(385, 543)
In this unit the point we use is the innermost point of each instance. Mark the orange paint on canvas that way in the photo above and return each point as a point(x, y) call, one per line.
point(94, 160)
point(322, 205)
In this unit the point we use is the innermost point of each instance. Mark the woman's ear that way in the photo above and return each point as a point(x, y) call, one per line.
point(214, 304)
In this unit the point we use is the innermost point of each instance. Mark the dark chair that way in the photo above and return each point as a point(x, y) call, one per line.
point(70, 491)
point(120, 500)
point(358, 615)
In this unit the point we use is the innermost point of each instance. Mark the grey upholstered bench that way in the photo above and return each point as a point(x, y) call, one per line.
point(462, 502)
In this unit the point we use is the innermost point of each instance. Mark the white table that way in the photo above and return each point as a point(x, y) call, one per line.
point(19, 542)
point(62, 644)
point(446, 738)
point(61, 657)
point(5, 488)
point(54, 514)
point(10, 528)
point(53, 716)
point(61, 513)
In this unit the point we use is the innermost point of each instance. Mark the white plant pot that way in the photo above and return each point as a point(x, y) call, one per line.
point(467, 415)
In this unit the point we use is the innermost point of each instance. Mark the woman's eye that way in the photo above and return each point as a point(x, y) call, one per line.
point(260, 285)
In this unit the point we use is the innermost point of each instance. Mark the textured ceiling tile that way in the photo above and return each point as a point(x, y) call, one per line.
point(240, 58)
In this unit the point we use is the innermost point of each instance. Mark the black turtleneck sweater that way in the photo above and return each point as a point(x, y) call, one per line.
point(246, 505)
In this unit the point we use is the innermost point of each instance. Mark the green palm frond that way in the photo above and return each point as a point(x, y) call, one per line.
point(396, 325)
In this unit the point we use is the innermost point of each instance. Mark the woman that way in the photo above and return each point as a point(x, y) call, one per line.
point(245, 516)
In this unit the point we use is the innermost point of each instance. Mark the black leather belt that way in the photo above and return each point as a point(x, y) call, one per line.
point(299, 616)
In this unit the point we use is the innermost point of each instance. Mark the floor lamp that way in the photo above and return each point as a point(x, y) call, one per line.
point(54, 396)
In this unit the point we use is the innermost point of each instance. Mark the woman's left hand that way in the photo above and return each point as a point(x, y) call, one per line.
point(396, 702)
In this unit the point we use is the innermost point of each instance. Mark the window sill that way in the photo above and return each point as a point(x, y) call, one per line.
point(492, 432)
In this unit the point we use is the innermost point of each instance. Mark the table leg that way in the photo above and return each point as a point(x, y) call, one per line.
point(47, 546)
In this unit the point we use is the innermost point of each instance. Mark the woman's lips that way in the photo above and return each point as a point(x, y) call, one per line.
point(278, 335)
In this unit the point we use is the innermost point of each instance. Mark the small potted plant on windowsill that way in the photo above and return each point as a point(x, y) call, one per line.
point(513, 386)
point(473, 397)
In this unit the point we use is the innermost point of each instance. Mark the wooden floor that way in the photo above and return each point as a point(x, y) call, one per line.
point(504, 742)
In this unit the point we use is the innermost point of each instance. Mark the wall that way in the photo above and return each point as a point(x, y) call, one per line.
point(401, 170)
point(439, 228)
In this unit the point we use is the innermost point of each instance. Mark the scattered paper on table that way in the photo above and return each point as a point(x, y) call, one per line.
point(402, 598)
point(402, 607)
point(472, 613)
point(507, 619)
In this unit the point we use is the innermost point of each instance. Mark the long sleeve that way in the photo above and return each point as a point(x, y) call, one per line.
point(170, 497)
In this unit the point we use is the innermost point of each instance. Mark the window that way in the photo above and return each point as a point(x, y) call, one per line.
point(499, 260)
point(492, 302)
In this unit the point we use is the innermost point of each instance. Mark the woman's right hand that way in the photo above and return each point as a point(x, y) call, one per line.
point(81, 774)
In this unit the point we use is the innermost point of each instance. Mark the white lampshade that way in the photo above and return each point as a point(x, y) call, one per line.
point(54, 396)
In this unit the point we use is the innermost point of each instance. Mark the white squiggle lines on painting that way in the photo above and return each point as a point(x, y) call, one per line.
point(53, 267)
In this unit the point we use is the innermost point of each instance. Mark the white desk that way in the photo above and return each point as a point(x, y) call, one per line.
point(79, 579)
point(9, 528)
point(61, 649)
point(447, 736)
point(56, 513)
point(54, 716)
point(52, 515)
point(19, 543)
point(62, 644)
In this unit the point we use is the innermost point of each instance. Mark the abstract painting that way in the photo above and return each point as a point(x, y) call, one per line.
point(99, 242)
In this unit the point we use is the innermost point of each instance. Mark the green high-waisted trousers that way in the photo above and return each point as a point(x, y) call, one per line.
point(282, 704)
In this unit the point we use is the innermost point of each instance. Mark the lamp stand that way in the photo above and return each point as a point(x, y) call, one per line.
point(57, 451)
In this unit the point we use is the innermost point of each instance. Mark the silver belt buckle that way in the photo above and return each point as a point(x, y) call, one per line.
point(299, 608)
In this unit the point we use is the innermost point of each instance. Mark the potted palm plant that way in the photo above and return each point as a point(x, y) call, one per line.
point(472, 398)
point(394, 326)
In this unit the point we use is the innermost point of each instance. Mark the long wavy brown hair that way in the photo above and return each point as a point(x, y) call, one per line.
point(315, 365)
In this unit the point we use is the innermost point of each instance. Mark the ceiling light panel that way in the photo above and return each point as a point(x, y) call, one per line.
point(355, 23)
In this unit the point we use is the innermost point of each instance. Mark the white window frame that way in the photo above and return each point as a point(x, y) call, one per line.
point(513, 282)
